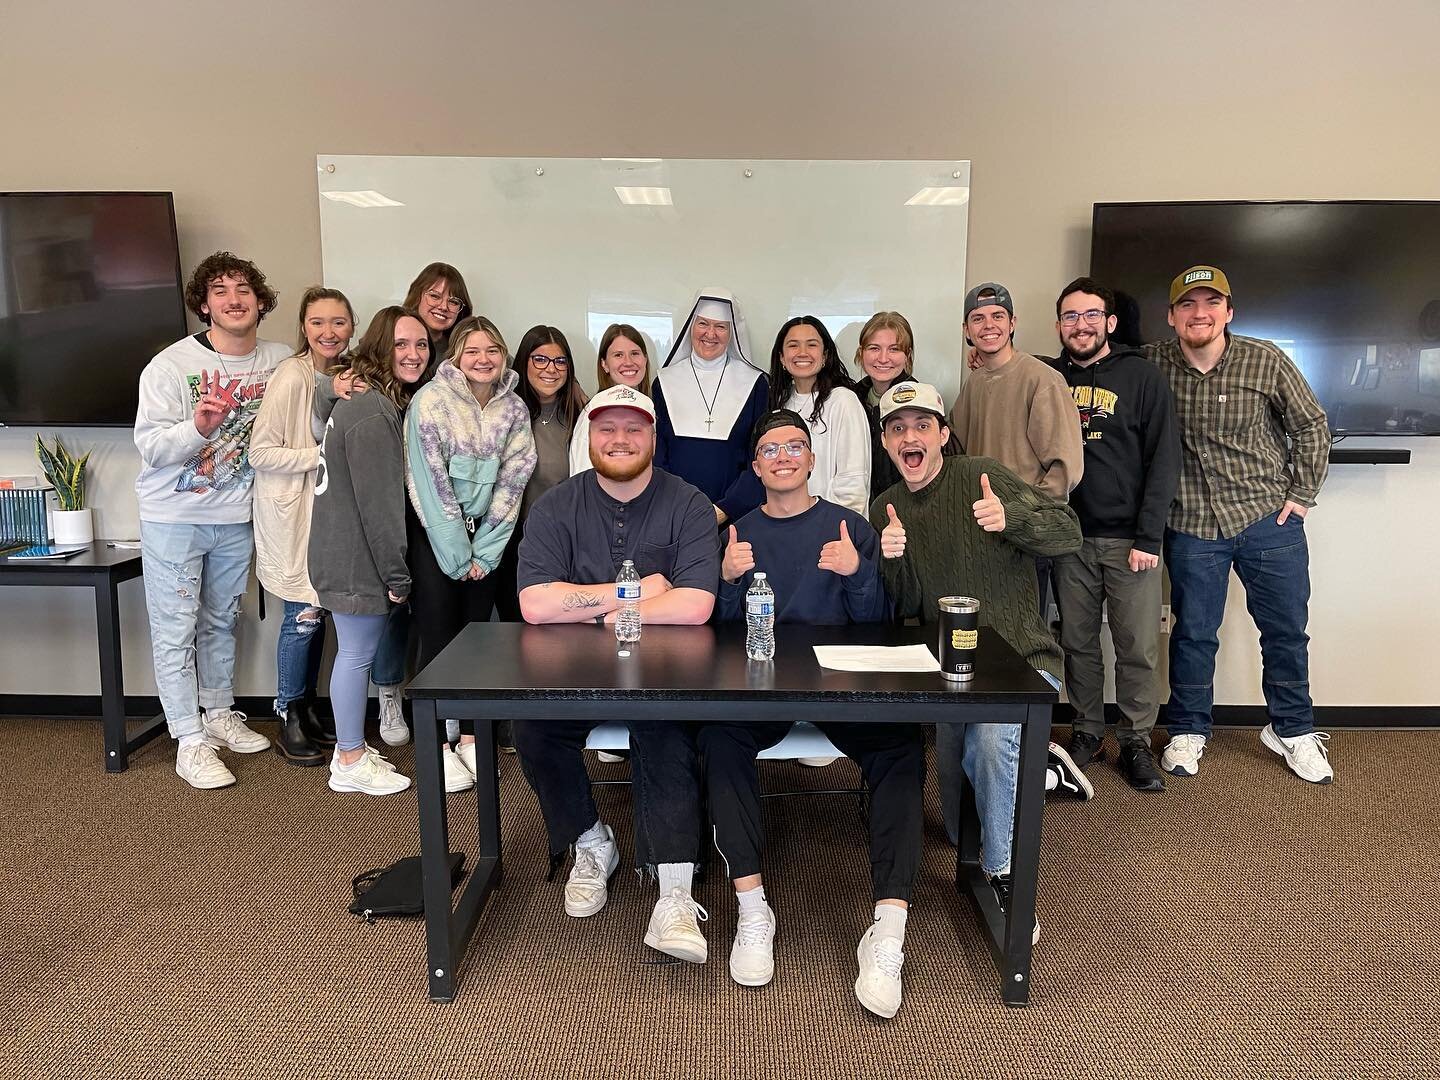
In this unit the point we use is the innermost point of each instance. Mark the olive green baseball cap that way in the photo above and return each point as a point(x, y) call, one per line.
point(1199, 277)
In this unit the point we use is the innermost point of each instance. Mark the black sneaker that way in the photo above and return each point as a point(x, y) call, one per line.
point(1085, 749)
point(1137, 762)
point(1001, 884)
point(1070, 779)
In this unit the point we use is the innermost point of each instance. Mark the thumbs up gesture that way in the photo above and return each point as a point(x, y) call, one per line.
point(840, 556)
point(739, 557)
point(989, 511)
point(892, 540)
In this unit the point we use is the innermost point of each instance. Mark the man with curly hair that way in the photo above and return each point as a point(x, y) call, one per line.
point(198, 402)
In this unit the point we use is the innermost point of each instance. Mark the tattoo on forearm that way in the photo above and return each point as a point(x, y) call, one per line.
point(576, 600)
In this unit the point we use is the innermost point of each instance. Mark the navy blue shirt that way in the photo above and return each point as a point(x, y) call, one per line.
point(787, 550)
point(718, 467)
point(579, 534)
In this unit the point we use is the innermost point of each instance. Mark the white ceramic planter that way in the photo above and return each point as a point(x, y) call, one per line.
point(73, 526)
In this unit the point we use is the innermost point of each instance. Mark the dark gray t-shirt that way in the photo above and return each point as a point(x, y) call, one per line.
point(577, 533)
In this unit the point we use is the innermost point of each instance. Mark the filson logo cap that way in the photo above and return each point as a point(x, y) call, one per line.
point(621, 397)
point(1199, 277)
point(912, 395)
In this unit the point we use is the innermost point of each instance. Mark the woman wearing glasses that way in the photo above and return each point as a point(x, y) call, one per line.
point(556, 403)
point(623, 361)
point(438, 293)
point(808, 377)
point(469, 455)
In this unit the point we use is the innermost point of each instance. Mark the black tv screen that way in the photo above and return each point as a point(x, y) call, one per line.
point(1350, 290)
point(89, 291)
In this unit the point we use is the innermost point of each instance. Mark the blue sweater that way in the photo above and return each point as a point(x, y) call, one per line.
point(786, 551)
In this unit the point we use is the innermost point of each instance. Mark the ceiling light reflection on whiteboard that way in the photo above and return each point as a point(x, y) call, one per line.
point(645, 196)
point(364, 199)
point(940, 196)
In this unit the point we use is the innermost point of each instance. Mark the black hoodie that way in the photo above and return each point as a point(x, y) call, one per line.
point(1132, 446)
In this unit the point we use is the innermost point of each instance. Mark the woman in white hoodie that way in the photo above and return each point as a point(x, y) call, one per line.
point(285, 453)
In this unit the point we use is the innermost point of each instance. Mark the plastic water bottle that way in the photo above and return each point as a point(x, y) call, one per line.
point(627, 591)
point(760, 620)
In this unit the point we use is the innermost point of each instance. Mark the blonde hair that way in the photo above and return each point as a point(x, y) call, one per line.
point(904, 336)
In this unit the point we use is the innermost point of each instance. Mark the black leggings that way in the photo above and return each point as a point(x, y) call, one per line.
point(441, 605)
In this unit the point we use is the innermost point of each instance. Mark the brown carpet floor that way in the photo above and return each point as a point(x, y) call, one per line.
point(1243, 924)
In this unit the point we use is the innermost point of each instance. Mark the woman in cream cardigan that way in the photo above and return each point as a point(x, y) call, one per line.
point(285, 452)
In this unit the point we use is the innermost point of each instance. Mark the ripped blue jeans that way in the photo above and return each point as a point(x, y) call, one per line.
point(298, 652)
point(195, 577)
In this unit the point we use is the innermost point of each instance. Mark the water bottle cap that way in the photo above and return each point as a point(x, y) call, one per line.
point(760, 576)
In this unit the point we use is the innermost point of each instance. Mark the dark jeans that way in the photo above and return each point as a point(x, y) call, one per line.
point(393, 652)
point(298, 652)
point(1273, 564)
point(891, 758)
point(666, 789)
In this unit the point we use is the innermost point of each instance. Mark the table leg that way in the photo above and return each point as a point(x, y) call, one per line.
point(434, 853)
point(1025, 856)
point(112, 683)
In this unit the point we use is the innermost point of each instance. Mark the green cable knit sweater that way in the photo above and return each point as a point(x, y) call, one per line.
point(948, 554)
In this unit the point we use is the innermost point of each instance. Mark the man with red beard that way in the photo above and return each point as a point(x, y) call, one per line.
point(578, 535)
point(1255, 450)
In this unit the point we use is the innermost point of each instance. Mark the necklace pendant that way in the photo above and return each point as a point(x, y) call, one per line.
point(708, 421)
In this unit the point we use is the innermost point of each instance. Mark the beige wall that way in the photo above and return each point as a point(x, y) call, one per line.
point(1057, 105)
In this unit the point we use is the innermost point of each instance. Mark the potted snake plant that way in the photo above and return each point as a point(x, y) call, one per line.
point(72, 522)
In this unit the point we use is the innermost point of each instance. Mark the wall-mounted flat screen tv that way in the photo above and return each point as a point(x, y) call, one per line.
point(1350, 290)
point(90, 290)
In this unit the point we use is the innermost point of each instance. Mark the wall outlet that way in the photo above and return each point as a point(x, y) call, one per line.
point(1164, 618)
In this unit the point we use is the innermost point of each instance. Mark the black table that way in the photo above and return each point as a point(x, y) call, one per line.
point(101, 569)
point(511, 671)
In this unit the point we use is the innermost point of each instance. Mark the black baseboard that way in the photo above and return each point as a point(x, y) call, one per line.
point(87, 706)
point(1326, 716)
point(82, 706)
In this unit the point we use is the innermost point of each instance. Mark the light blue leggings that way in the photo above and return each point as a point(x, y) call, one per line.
point(357, 637)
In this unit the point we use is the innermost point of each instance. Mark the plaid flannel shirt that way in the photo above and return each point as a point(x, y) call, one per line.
point(1253, 434)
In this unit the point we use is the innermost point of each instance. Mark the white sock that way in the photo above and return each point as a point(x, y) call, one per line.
point(353, 765)
point(593, 836)
point(890, 921)
point(676, 875)
point(751, 899)
point(388, 692)
point(191, 740)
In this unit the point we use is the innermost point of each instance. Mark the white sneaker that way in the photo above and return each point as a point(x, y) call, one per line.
point(1305, 754)
point(466, 753)
point(609, 758)
point(675, 927)
point(457, 776)
point(752, 957)
point(589, 885)
point(878, 984)
point(200, 767)
point(369, 776)
point(1182, 755)
point(393, 728)
point(379, 760)
point(817, 762)
point(227, 728)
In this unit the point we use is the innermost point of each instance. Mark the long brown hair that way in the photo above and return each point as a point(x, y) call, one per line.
point(570, 398)
point(313, 295)
point(374, 358)
point(619, 330)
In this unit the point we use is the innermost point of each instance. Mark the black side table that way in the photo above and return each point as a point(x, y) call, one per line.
point(101, 569)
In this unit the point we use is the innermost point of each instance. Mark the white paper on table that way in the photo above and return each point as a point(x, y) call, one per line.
point(876, 658)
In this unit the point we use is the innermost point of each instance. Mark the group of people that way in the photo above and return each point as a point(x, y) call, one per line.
point(427, 477)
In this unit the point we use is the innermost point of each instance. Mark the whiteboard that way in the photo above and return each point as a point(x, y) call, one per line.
point(579, 243)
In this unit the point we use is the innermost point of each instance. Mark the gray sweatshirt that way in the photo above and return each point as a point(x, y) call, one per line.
point(357, 532)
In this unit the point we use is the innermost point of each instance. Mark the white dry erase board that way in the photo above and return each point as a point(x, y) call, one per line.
point(579, 243)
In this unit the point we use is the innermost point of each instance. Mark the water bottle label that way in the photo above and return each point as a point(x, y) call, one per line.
point(760, 607)
point(627, 590)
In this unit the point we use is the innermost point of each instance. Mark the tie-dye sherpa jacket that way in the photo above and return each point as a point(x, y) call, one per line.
point(467, 467)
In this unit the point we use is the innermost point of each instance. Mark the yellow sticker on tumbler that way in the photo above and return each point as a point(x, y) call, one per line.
point(964, 639)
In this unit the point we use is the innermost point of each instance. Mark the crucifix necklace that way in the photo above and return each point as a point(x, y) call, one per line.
point(710, 403)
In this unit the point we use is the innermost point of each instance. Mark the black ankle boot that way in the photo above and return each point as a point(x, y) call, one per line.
point(293, 744)
point(313, 722)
